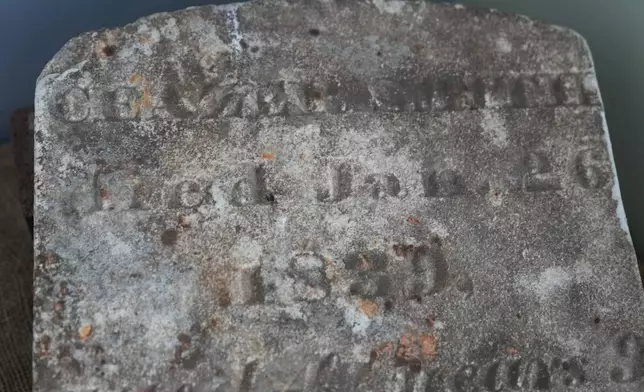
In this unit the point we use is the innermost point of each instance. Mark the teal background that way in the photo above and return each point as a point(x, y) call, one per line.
point(32, 31)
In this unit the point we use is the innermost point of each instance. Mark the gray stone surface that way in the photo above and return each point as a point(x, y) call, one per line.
point(330, 196)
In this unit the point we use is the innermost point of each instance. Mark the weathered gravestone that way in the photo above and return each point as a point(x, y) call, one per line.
point(330, 196)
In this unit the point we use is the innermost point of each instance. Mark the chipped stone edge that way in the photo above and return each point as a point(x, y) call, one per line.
point(616, 192)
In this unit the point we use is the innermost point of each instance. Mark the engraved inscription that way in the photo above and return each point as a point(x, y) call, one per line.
point(497, 92)
point(590, 170)
point(629, 351)
point(539, 176)
point(465, 379)
point(531, 374)
point(537, 375)
point(372, 281)
point(382, 185)
point(188, 98)
point(413, 379)
point(252, 189)
point(570, 372)
point(419, 270)
point(309, 275)
point(536, 91)
point(568, 90)
point(330, 374)
point(445, 183)
point(533, 173)
point(427, 268)
point(118, 190)
point(340, 179)
point(189, 194)
point(73, 105)
point(273, 100)
point(248, 377)
point(238, 287)
point(246, 287)
point(125, 104)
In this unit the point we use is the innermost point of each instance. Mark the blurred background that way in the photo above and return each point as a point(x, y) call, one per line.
point(32, 31)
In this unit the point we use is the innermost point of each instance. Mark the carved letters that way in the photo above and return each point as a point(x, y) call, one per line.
point(332, 371)
point(122, 191)
point(430, 94)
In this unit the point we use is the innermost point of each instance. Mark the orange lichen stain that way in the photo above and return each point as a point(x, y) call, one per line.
point(268, 155)
point(85, 331)
point(382, 352)
point(368, 308)
point(104, 194)
point(512, 351)
point(414, 347)
point(135, 78)
point(145, 101)
point(413, 219)
point(428, 346)
point(407, 350)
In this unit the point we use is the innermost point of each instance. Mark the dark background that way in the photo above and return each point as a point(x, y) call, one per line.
point(32, 31)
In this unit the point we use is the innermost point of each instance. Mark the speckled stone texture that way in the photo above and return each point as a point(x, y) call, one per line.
point(330, 196)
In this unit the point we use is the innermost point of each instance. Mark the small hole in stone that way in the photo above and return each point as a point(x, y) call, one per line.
point(270, 198)
point(597, 320)
point(417, 298)
point(254, 49)
point(389, 304)
point(565, 365)
point(314, 32)
point(169, 237)
point(109, 50)
point(373, 356)
point(243, 44)
point(379, 54)
point(519, 316)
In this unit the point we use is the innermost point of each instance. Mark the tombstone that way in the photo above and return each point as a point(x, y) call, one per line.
point(330, 196)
